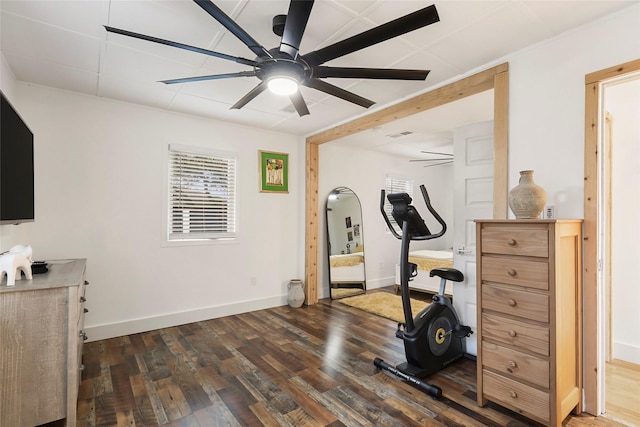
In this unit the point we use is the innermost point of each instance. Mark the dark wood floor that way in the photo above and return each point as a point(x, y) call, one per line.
point(310, 366)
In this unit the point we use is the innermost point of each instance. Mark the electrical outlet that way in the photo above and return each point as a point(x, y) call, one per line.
point(549, 212)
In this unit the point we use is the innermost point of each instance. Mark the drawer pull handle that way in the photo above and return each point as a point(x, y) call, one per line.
point(512, 303)
point(513, 394)
point(511, 242)
point(511, 272)
point(512, 333)
point(512, 364)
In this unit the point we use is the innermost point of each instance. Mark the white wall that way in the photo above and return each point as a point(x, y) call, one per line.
point(7, 78)
point(365, 172)
point(623, 102)
point(546, 104)
point(99, 180)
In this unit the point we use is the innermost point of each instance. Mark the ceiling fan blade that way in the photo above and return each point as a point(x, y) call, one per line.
point(437, 152)
point(369, 73)
point(339, 92)
point(181, 46)
point(294, 26)
point(431, 160)
point(298, 102)
point(249, 96)
point(210, 77)
point(232, 26)
point(391, 29)
point(438, 164)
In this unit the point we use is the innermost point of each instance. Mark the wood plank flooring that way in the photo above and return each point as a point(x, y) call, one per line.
point(310, 366)
point(622, 388)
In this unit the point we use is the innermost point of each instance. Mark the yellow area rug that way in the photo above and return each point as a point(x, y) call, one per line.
point(384, 304)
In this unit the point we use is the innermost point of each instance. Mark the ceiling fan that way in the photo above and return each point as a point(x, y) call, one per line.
point(283, 69)
point(444, 159)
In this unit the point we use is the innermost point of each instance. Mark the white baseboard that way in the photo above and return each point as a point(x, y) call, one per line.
point(134, 326)
point(626, 352)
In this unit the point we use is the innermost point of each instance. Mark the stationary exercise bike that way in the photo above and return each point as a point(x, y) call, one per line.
point(434, 338)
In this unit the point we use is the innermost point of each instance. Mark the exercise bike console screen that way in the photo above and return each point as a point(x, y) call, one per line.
point(404, 211)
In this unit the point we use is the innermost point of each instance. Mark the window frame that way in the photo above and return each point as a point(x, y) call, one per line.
point(170, 239)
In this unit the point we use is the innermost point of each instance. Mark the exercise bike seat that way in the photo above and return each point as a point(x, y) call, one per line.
point(447, 273)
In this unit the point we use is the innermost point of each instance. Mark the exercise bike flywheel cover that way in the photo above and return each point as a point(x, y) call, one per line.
point(439, 335)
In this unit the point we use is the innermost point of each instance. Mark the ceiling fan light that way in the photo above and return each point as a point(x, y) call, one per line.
point(283, 85)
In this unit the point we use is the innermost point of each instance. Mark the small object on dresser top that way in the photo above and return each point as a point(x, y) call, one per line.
point(39, 267)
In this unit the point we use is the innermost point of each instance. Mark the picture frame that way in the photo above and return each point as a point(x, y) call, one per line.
point(274, 172)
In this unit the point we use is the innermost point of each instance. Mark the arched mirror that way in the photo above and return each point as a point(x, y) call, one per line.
point(345, 243)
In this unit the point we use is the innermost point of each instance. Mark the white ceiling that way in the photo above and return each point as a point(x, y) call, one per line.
point(63, 44)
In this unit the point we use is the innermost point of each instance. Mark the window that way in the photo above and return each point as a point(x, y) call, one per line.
point(396, 185)
point(202, 194)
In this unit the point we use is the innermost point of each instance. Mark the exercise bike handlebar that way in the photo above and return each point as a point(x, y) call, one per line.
point(433, 212)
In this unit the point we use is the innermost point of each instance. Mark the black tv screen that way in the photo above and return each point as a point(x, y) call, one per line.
point(16, 167)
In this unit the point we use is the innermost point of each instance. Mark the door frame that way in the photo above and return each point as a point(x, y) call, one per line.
point(496, 78)
point(591, 336)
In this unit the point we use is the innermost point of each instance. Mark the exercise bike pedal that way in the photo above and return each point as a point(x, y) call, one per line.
point(413, 270)
point(462, 331)
point(400, 330)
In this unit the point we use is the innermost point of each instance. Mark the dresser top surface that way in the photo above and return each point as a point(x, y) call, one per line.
point(62, 273)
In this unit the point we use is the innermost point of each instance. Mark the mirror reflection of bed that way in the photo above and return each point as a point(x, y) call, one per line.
point(345, 244)
point(426, 260)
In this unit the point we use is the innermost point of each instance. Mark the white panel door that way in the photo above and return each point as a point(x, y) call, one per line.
point(473, 199)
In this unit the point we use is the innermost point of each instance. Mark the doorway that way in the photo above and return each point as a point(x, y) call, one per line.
point(600, 254)
point(620, 178)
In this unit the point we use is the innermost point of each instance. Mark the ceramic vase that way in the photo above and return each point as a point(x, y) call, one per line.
point(527, 199)
point(296, 293)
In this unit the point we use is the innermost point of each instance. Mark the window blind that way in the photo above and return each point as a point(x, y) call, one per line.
point(202, 195)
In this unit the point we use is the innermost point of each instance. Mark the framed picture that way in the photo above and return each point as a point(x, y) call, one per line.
point(274, 172)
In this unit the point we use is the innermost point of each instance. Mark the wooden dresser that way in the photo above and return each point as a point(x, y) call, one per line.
point(41, 336)
point(529, 284)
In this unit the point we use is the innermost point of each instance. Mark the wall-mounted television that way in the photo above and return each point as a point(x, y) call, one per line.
point(16, 167)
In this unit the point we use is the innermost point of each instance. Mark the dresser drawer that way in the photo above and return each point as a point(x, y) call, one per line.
point(520, 366)
point(516, 241)
point(514, 271)
point(516, 302)
point(515, 395)
point(518, 334)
